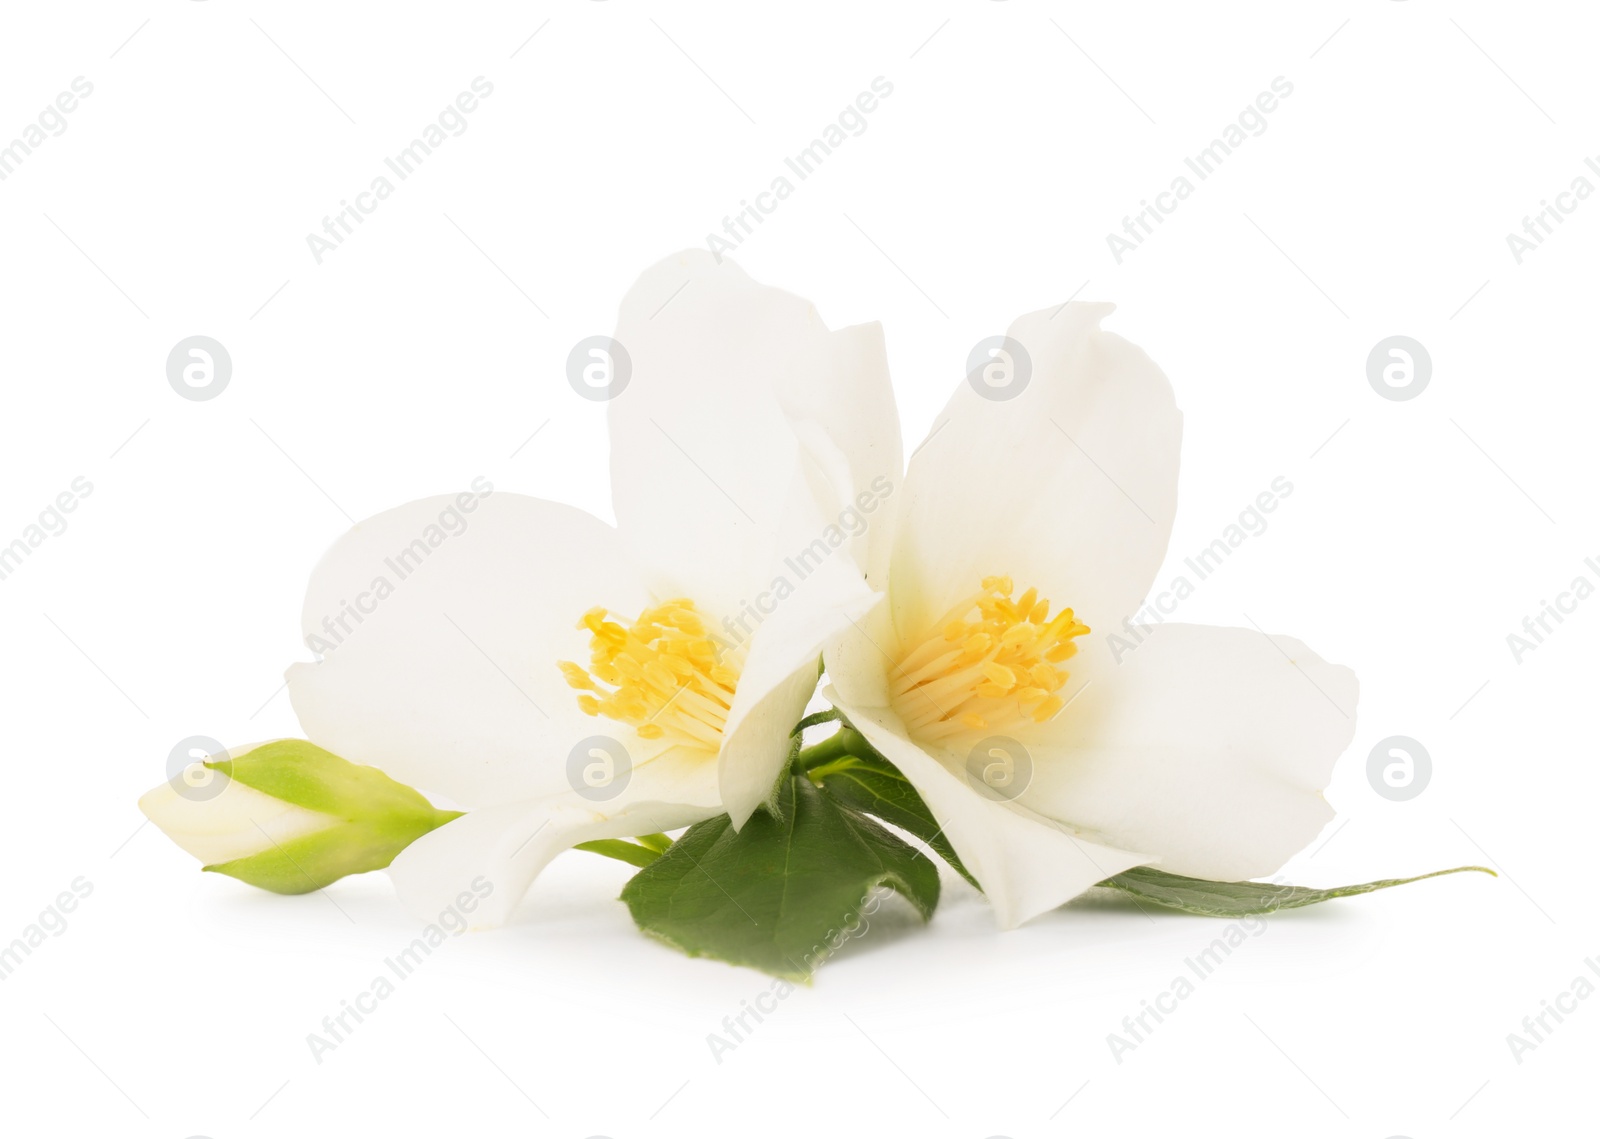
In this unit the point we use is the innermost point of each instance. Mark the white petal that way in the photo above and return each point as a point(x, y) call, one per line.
point(237, 822)
point(756, 750)
point(1026, 864)
point(1070, 486)
point(707, 447)
point(498, 851)
point(1207, 747)
point(450, 683)
point(860, 657)
point(817, 592)
point(749, 450)
point(851, 405)
point(779, 678)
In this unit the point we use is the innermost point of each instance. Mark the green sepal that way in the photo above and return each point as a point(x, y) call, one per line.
point(300, 772)
point(783, 893)
point(372, 818)
point(1243, 899)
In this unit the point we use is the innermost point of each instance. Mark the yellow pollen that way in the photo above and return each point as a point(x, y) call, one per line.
point(987, 665)
point(660, 674)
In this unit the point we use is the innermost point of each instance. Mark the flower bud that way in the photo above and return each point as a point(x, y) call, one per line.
point(289, 816)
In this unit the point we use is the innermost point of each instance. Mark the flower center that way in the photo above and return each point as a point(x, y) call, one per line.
point(661, 674)
point(988, 664)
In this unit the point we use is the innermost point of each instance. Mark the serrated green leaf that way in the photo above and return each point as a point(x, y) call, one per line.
point(783, 893)
point(1242, 899)
point(871, 784)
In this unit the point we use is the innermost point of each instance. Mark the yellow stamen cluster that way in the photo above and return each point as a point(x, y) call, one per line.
point(988, 664)
point(661, 674)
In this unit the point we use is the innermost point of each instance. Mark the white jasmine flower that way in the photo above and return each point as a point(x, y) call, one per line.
point(565, 680)
point(1028, 529)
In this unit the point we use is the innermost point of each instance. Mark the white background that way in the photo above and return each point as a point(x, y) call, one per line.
point(430, 346)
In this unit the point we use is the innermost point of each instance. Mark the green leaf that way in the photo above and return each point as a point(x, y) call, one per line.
point(871, 784)
point(371, 817)
point(782, 894)
point(1241, 899)
point(622, 850)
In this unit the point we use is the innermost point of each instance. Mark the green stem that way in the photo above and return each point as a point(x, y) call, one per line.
point(655, 842)
point(622, 850)
point(831, 748)
point(845, 742)
point(823, 770)
point(816, 718)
